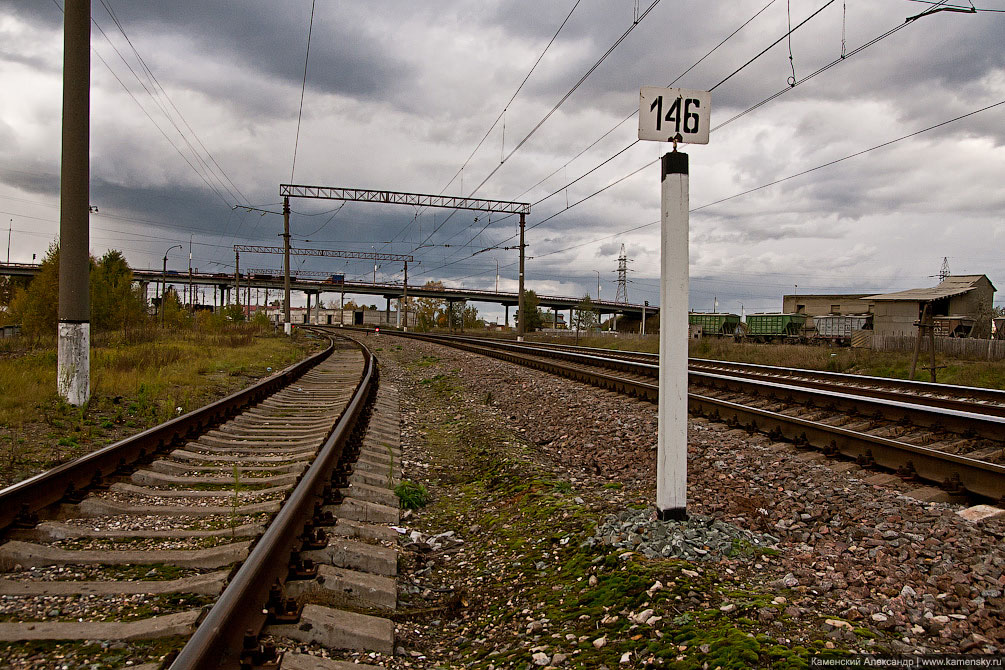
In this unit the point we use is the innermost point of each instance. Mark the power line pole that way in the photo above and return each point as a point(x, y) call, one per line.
point(405, 298)
point(521, 314)
point(622, 292)
point(191, 295)
point(288, 326)
point(944, 272)
point(73, 379)
point(237, 277)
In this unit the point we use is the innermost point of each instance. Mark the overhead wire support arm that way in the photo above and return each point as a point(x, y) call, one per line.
point(368, 255)
point(399, 198)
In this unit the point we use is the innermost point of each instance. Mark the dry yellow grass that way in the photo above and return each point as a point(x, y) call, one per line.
point(135, 383)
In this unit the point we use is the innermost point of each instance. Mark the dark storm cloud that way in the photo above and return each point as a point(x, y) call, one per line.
point(262, 38)
point(400, 92)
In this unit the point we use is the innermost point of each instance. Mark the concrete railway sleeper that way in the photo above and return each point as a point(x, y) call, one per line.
point(251, 532)
point(959, 474)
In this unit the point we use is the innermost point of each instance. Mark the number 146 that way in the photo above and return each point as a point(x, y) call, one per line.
point(689, 119)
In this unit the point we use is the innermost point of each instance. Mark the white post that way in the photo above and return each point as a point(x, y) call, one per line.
point(671, 460)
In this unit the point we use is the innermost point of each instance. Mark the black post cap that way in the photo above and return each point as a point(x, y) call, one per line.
point(674, 162)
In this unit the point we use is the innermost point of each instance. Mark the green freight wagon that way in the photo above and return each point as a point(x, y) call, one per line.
point(764, 327)
point(714, 323)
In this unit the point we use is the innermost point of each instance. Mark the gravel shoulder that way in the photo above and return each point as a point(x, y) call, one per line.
point(538, 548)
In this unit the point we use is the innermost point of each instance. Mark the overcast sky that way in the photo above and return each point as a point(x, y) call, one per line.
point(399, 94)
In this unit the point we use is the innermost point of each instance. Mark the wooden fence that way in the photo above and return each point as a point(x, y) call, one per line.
point(953, 347)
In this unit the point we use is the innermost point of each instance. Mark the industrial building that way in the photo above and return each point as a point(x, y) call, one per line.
point(961, 307)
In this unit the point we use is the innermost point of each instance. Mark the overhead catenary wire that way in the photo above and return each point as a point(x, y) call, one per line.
point(156, 82)
point(633, 114)
point(303, 89)
point(737, 195)
point(512, 97)
point(770, 98)
point(634, 142)
point(789, 177)
point(185, 158)
point(548, 115)
point(501, 116)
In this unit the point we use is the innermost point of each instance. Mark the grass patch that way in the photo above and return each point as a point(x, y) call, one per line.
point(41, 653)
point(412, 495)
point(896, 365)
point(135, 385)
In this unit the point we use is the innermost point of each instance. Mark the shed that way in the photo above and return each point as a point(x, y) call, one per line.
point(962, 297)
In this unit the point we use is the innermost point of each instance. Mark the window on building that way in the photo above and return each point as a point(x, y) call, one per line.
point(800, 309)
point(835, 309)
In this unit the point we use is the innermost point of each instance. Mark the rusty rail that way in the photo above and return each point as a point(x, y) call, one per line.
point(240, 613)
point(979, 478)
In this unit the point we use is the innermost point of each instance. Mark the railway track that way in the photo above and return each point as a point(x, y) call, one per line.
point(953, 437)
point(218, 539)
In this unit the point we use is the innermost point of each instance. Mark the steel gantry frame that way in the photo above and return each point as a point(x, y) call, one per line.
point(288, 191)
point(286, 250)
point(337, 253)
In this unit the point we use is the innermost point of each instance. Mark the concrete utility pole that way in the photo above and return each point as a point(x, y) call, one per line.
point(521, 314)
point(237, 277)
point(671, 458)
point(404, 300)
point(191, 295)
point(73, 378)
point(288, 326)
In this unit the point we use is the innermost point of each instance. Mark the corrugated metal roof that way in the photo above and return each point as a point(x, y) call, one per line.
point(947, 288)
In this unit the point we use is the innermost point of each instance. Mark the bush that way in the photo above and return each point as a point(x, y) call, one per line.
point(411, 494)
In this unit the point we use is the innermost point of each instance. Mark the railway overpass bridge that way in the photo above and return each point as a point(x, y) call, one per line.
point(225, 283)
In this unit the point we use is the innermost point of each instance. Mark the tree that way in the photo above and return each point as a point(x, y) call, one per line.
point(115, 302)
point(469, 317)
point(585, 317)
point(175, 313)
point(9, 286)
point(36, 307)
point(428, 311)
point(531, 304)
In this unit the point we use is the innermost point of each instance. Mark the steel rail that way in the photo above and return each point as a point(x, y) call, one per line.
point(976, 477)
point(946, 392)
point(219, 639)
point(947, 413)
point(20, 502)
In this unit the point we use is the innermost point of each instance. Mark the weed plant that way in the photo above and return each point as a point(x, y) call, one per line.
point(412, 495)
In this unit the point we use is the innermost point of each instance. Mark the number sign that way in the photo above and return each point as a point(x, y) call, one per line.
point(666, 113)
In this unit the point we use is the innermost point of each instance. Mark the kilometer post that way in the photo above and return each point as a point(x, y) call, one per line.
point(671, 458)
point(680, 116)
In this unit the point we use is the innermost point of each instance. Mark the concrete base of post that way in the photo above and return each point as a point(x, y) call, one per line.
point(288, 328)
point(672, 514)
point(73, 373)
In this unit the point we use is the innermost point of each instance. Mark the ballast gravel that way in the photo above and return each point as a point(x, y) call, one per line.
point(871, 554)
point(698, 538)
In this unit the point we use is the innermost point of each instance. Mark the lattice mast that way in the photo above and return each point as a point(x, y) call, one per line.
point(622, 294)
